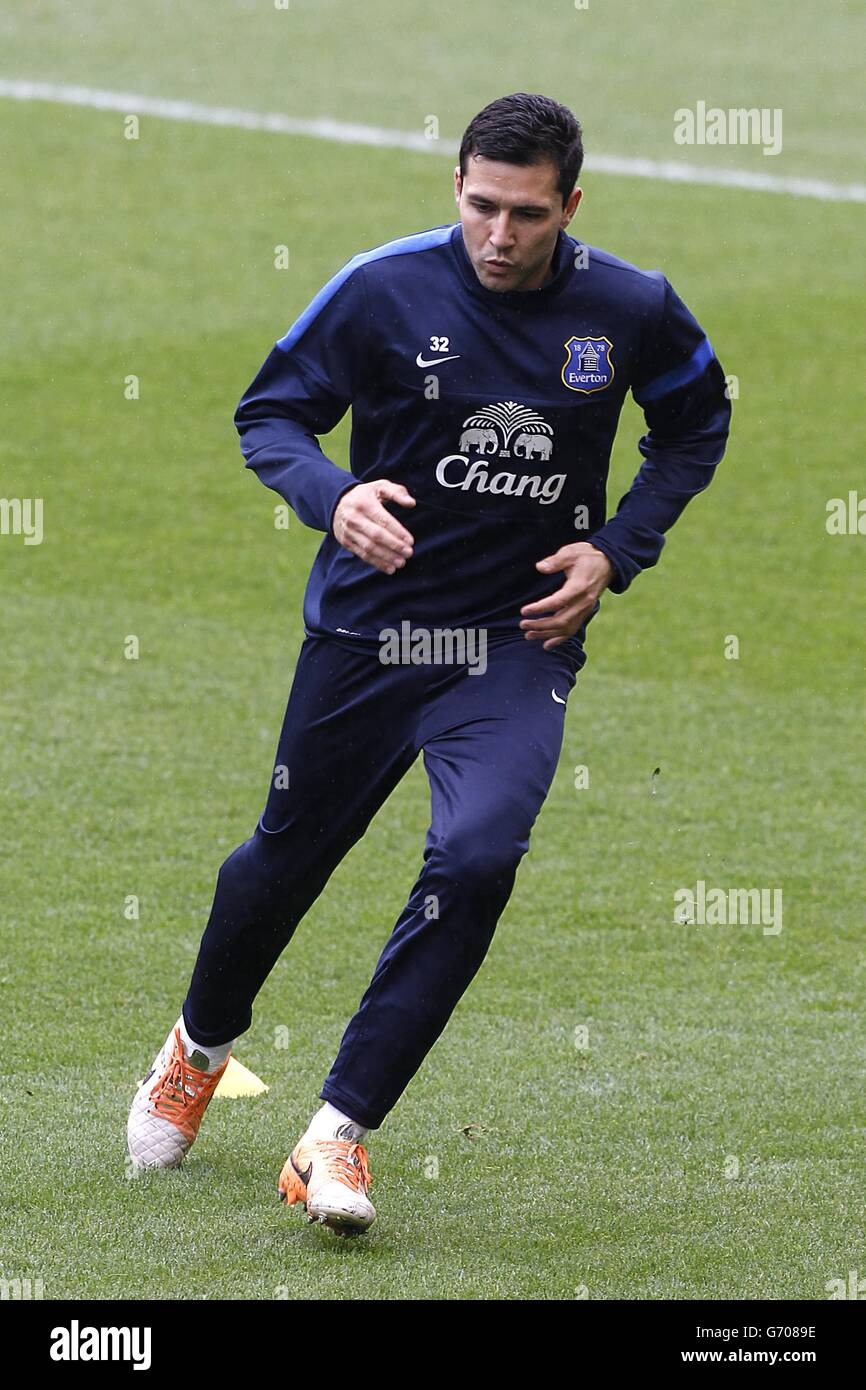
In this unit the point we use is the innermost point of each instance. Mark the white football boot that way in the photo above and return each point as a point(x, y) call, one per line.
point(169, 1105)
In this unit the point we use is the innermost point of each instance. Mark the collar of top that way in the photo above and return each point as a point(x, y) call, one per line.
point(563, 266)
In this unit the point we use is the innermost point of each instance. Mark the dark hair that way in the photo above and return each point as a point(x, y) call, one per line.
point(526, 128)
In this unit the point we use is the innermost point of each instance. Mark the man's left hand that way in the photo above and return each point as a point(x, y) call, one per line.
point(588, 572)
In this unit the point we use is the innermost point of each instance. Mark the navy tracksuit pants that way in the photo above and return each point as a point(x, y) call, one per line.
point(352, 729)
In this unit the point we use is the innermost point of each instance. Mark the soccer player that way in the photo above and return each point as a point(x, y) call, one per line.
point(486, 363)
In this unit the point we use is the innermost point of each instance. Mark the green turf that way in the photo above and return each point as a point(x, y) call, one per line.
point(601, 1169)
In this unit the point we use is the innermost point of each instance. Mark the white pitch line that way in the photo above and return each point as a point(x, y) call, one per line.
point(346, 133)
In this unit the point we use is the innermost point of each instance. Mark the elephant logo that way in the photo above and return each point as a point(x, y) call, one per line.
point(492, 429)
point(527, 446)
point(479, 439)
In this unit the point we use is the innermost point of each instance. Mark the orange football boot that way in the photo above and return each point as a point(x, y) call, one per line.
point(330, 1177)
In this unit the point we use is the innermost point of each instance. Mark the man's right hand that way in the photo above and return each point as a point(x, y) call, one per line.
point(361, 524)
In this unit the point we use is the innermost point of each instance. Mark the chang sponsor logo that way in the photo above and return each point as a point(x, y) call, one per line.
point(509, 431)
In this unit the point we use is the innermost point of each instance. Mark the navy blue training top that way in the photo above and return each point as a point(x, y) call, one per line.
point(497, 410)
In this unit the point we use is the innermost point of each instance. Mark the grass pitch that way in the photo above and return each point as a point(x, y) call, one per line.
point(707, 1141)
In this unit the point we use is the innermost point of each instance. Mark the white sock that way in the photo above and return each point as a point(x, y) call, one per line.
point(213, 1056)
point(331, 1123)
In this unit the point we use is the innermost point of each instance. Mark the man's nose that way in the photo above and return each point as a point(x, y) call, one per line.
point(501, 233)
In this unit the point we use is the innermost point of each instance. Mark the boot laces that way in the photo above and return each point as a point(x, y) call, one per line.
point(170, 1095)
point(346, 1162)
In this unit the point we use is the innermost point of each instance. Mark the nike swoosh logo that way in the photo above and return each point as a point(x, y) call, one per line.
point(434, 361)
point(558, 698)
point(305, 1177)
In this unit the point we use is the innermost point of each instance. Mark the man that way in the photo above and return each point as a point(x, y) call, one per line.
point(486, 364)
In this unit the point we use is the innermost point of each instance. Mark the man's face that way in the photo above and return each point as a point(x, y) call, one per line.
point(511, 215)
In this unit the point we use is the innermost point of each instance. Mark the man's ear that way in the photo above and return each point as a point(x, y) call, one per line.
point(571, 206)
point(458, 183)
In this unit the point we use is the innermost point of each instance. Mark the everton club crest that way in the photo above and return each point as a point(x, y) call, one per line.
point(588, 365)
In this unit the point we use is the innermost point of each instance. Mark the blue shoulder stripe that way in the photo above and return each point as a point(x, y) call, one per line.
point(403, 246)
point(677, 376)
